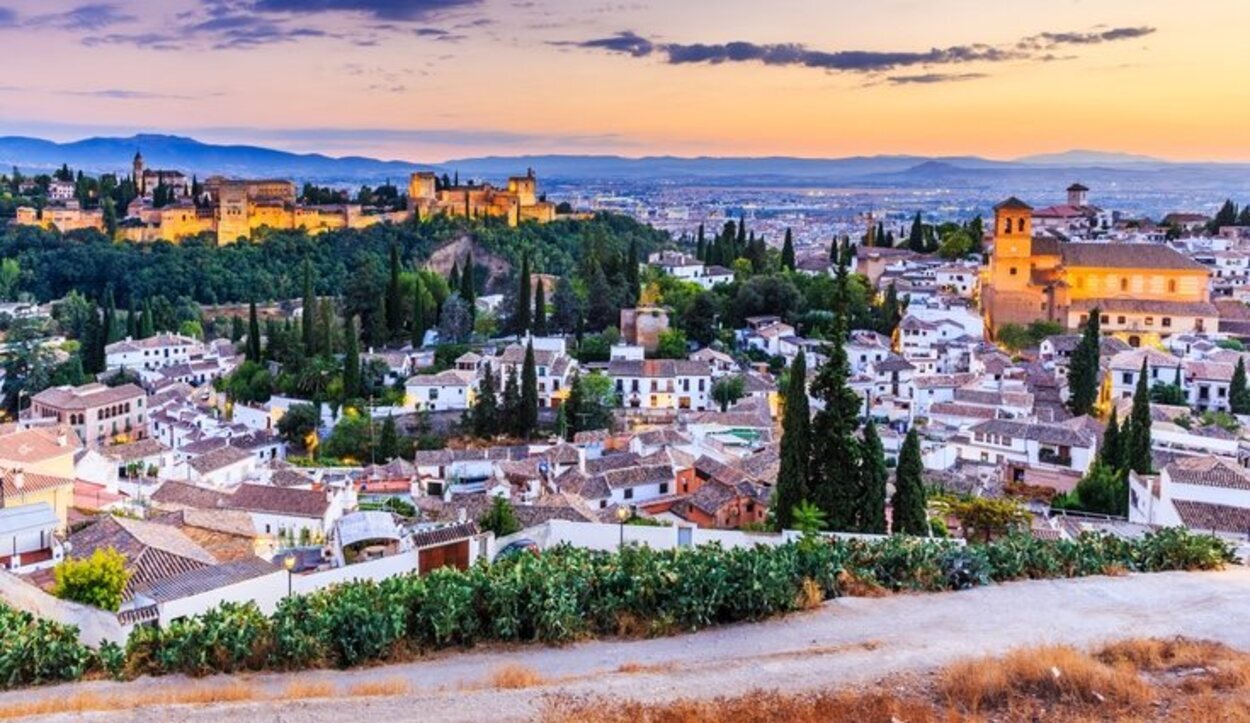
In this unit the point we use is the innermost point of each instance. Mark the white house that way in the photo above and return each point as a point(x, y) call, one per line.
point(288, 512)
point(662, 384)
point(1207, 493)
point(451, 390)
point(152, 353)
point(1068, 447)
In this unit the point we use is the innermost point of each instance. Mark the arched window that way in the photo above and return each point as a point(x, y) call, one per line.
point(1124, 284)
point(1171, 286)
point(1020, 225)
point(1007, 226)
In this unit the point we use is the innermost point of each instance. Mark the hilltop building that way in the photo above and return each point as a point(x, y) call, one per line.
point(1142, 291)
point(233, 209)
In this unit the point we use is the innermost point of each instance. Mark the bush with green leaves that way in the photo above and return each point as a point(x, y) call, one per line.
point(568, 594)
point(97, 580)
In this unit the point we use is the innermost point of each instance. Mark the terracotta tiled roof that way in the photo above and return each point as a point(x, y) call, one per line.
point(1126, 256)
point(1211, 516)
point(1208, 472)
point(278, 501)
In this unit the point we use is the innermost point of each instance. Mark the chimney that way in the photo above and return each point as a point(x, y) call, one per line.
point(19, 479)
point(462, 515)
point(62, 439)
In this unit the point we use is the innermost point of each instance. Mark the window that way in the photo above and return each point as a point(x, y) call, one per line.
point(1126, 377)
point(433, 394)
point(1167, 321)
point(1150, 321)
point(629, 493)
point(1104, 318)
point(1007, 227)
point(1013, 271)
point(663, 488)
point(1120, 320)
point(1171, 286)
point(1020, 224)
point(1124, 284)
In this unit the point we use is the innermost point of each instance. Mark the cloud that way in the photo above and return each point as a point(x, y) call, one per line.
point(149, 41)
point(124, 94)
point(396, 10)
point(452, 137)
point(84, 17)
point(8, 18)
point(934, 78)
point(854, 61)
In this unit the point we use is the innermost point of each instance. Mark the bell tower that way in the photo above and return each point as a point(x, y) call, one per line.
point(137, 170)
point(1013, 245)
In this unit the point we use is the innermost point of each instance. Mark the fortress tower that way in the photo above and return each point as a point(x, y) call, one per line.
point(525, 187)
point(137, 171)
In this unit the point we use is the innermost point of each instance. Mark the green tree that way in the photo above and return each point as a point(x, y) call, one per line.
point(908, 504)
point(728, 390)
point(916, 238)
point(500, 518)
point(510, 409)
point(300, 421)
point(253, 334)
point(566, 306)
point(540, 311)
point(1112, 452)
point(1238, 391)
point(97, 580)
point(956, 245)
point(308, 313)
point(528, 425)
point(796, 446)
point(808, 518)
point(1137, 450)
point(1085, 371)
point(351, 360)
point(672, 345)
point(524, 304)
point(468, 282)
point(1102, 490)
point(873, 479)
point(10, 275)
point(387, 447)
point(834, 485)
point(787, 252)
point(486, 407)
point(418, 313)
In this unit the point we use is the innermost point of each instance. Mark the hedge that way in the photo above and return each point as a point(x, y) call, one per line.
point(569, 594)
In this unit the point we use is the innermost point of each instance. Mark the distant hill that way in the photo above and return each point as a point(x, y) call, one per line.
point(1023, 175)
point(98, 155)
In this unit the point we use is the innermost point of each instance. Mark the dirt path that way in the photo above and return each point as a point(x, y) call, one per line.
point(848, 641)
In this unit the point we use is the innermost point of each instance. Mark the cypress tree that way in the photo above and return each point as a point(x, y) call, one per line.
point(510, 419)
point(112, 326)
point(524, 303)
point(1112, 452)
point(908, 504)
point(787, 252)
point(236, 327)
point(468, 282)
point(741, 241)
point(834, 485)
point(453, 281)
point(378, 329)
point(701, 248)
point(631, 273)
point(308, 334)
point(132, 320)
point(92, 334)
point(915, 239)
point(486, 408)
point(1084, 372)
point(388, 441)
point(253, 334)
point(326, 322)
point(1137, 449)
point(351, 359)
point(394, 300)
point(418, 313)
point(540, 311)
point(147, 325)
point(873, 479)
point(529, 394)
point(796, 446)
point(1239, 392)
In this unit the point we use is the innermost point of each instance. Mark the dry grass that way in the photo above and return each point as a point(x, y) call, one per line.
point(233, 692)
point(852, 585)
point(1135, 680)
point(811, 595)
point(514, 676)
point(301, 689)
point(1051, 675)
point(379, 688)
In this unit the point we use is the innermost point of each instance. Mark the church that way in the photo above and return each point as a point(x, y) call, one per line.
point(1143, 292)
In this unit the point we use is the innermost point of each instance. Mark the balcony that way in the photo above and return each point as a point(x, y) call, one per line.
point(1057, 459)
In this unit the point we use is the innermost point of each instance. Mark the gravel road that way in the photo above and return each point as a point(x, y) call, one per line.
point(847, 641)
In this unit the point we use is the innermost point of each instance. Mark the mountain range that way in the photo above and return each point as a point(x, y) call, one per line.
point(95, 155)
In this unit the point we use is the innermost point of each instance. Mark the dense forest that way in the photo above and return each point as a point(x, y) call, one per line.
point(51, 264)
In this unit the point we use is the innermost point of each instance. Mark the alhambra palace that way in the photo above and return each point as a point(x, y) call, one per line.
point(233, 209)
point(1142, 291)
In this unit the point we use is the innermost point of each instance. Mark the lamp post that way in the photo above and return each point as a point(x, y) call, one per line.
point(288, 562)
point(622, 514)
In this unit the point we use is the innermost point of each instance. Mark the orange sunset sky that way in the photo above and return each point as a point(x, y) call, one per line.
point(428, 80)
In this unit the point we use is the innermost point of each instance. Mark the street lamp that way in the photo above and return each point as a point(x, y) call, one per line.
point(288, 562)
point(622, 514)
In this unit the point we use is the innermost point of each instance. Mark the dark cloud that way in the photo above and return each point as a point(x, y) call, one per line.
point(8, 18)
point(934, 78)
point(149, 41)
point(625, 42)
point(403, 10)
point(1052, 40)
point(123, 94)
point(84, 17)
point(855, 61)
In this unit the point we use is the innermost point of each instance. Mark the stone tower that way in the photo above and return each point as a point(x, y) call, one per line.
point(1078, 195)
point(137, 170)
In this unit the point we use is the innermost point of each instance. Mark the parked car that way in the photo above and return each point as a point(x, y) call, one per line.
point(517, 547)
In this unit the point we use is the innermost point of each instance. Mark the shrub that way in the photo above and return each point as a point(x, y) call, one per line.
point(35, 651)
point(97, 580)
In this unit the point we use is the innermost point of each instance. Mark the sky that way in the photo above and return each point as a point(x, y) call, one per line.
point(432, 80)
